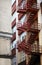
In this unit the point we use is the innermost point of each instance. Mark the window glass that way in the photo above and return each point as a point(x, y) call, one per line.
point(14, 29)
point(23, 19)
point(14, 16)
point(22, 36)
point(13, 1)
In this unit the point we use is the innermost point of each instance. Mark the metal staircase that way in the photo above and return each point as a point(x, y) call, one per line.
point(30, 8)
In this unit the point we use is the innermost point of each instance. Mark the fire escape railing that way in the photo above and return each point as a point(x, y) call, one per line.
point(27, 6)
point(26, 26)
point(30, 8)
point(28, 48)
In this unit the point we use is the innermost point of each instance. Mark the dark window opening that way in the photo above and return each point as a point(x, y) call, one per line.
point(35, 60)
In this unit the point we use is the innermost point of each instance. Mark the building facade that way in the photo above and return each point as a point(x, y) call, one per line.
point(26, 43)
point(5, 32)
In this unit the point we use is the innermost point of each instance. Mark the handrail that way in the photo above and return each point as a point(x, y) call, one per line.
point(34, 48)
point(20, 24)
point(25, 5)
point(22, 5)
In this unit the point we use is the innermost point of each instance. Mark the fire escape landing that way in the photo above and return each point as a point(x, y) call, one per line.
point(30, 8)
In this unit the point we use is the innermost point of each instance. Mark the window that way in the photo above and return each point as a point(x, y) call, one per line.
point(13, 1)
point(23, 19)
point(14, 29)
point(14, 16)
point(23, 37)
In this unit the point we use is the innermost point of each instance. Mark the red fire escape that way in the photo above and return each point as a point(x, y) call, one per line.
point(30, 8)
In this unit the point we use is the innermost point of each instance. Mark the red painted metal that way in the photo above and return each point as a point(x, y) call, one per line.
point(27, 6)
point(20, 15)
point(13, 37)
point(27, 25)
point(32, 38)
point(28, 48)
point(24, 47)
point(19, 2)
point(20, 32)
point(13, 7)
point(13, 23)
